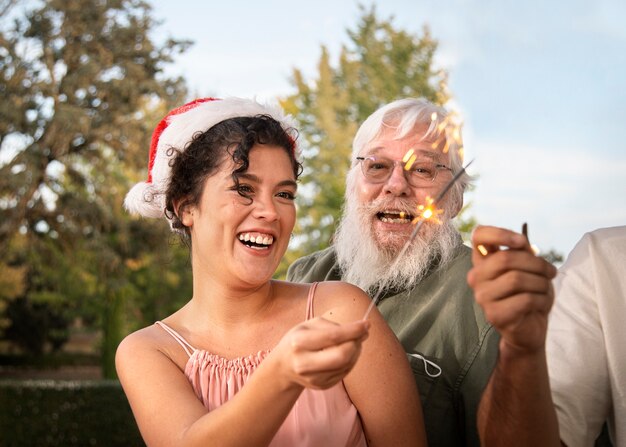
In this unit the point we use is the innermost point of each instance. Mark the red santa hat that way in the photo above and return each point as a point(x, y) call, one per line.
point(176, 130)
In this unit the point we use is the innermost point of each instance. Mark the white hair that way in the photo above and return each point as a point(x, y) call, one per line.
point(367, 262)
point(410, 115)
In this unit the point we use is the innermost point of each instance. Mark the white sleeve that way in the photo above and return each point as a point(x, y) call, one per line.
point(576, 353)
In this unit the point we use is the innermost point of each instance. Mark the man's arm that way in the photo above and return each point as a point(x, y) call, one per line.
point(514, 289)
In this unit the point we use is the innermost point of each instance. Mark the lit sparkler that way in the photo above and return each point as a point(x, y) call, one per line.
point(427, 212)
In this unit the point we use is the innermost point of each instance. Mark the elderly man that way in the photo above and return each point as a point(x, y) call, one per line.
point(424, 297)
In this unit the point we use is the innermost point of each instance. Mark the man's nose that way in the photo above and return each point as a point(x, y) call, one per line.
point(397, 183)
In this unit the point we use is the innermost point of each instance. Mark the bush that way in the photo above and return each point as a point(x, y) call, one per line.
point(59, 413)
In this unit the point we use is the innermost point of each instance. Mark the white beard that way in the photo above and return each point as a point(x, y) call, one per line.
point(367, 263)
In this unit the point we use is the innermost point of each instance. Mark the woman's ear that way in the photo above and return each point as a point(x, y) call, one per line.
point(185, 213)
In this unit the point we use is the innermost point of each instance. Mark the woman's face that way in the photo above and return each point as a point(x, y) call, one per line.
point(238, 238)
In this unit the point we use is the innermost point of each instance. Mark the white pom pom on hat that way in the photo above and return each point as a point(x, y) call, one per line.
point(175, 131)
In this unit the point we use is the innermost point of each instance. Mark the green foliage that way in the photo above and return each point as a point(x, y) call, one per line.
point(56, 413)
point(466, 224)
point(379, 65)
point(81, 88)
point(553, 257)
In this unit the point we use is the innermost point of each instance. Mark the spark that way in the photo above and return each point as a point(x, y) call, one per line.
point(446, 146)
point(443, 124)
point(428, 211)
point(409, 163)
point(408, 155)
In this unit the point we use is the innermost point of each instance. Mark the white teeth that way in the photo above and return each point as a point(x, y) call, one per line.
point(261, 240)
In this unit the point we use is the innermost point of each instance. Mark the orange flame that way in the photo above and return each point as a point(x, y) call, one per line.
point(428, 211)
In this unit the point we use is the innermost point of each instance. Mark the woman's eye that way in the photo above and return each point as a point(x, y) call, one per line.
point(242, 189)
point(286, 195)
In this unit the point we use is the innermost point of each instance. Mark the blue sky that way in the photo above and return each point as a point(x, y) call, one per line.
point(541, 87)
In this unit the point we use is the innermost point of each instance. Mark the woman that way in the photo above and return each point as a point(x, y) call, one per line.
point(274, 363)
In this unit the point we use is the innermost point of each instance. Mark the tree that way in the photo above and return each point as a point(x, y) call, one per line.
point(81, 87)
point(379, 65)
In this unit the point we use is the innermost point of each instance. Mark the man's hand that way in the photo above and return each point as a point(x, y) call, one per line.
point(513, 286)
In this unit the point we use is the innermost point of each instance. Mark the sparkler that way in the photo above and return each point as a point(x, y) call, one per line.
point(426, 212)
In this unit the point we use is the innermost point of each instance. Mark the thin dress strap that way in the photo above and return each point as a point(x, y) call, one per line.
point(309, 304)
point(179, 338)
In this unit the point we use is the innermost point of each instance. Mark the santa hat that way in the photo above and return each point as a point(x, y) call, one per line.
point(176, 130)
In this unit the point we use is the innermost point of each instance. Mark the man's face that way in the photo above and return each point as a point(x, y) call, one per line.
point(390, 205)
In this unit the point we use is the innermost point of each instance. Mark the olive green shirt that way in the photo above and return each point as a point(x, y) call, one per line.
point(439, 320)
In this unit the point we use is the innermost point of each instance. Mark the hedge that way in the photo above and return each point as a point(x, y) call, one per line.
point(61, 412)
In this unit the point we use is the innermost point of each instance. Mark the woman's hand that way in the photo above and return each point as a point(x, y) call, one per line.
point(319, 353)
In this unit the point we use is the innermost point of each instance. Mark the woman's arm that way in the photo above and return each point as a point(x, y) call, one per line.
point(316, 354)
point(381, 384)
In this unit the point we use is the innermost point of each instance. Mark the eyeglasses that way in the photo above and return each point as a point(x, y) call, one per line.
point(420, 173)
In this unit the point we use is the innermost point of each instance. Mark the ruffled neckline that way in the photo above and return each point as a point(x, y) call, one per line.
point(205, 359)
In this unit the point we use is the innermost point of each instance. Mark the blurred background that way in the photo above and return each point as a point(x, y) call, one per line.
point(538, 86)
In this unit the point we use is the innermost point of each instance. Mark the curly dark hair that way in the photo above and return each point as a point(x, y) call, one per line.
point(207, 150)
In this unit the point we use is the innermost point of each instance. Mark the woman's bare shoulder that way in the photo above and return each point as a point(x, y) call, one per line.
point(150, 342)
point(340, 301)
point(143, 340)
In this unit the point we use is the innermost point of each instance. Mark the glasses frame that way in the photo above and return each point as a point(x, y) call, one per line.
point(409, 178)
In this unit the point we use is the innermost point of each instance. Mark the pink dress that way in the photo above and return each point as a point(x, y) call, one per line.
point(318, 418)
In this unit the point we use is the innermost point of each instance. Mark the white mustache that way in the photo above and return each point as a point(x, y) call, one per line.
point(378, 205)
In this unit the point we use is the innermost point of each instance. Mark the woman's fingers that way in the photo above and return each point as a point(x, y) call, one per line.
point(320, 352)
point(320, 333)
point(328, 359)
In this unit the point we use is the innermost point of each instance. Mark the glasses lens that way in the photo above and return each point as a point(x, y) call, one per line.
point(377, 169)
point(418, 173)
point(422, 170)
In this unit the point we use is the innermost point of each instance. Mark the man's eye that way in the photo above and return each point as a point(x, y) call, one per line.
point(423, 170)
point(378, 166)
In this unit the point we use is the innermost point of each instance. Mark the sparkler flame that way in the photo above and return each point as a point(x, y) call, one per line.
point(428, 211)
